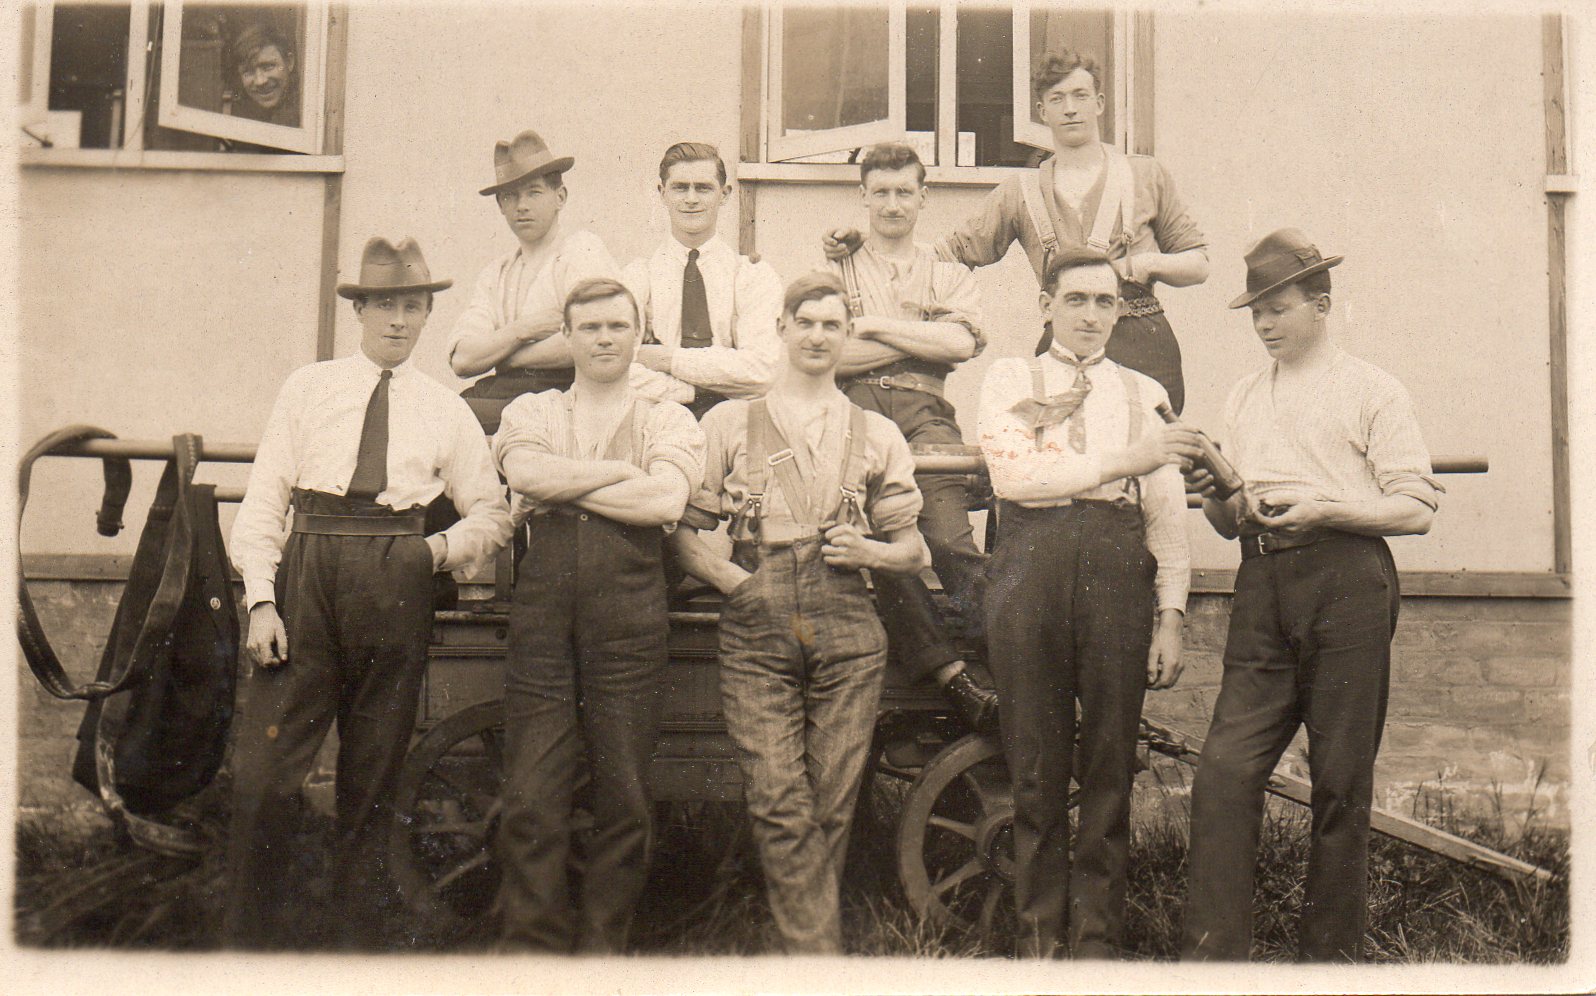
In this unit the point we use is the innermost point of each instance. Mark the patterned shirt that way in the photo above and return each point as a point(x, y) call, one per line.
point(921, 289)
point(312, 440)
point(1103, 422)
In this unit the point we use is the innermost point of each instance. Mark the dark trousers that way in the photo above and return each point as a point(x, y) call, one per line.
point(582, 694)
point(1309, 644)
point(358, 611)
point(915, 630)
point(1146, 344)
point(802, 657)
point(1069, 617)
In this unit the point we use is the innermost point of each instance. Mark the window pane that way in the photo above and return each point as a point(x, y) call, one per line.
point(88, 74)
point(833, 67)
point(924, 39)
point(1085, 32)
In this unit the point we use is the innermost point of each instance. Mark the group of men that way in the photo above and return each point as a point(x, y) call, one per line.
point(634, 411)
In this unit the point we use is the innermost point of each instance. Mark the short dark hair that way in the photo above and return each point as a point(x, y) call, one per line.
point(1072, 259)
point(811, 287)
point(692, 152)
point(890, 156)
point(255, 37)
point(1054, 66)
point(598, 289)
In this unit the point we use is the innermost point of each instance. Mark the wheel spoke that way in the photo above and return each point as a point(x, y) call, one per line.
point(494, 749)
point(477, 860)
point(994, 895)
point(967, 871)
point(965, 830)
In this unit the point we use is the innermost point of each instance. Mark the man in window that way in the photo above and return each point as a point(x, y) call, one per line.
point(598, 474)
point(914, 319)
point(340, 614)
point(264, 62)
point(1086, 601)
point(1332, 462)
point(818, 489)
point(710, 314)
point(1090, 195)
point(511, 325)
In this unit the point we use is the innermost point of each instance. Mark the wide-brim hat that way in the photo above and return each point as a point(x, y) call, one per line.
point(1280, 258)
point(389, 269)
point(522, 156)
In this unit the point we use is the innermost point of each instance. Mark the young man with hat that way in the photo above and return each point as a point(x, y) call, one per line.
point(340, 612)
point(599, 475)
point(709, 314)
point(915, 318)
point(817, 490)
point(1333, 461)
point(511, 325)
point(1090, 195)
point(1085, 600)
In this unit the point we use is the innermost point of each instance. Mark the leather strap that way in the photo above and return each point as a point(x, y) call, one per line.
point(850, 280)
point(1119, 192)
point(1259, 544)
point(902, 382)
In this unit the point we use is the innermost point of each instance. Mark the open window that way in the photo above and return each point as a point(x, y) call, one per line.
point(178, 76)
point(836, 77)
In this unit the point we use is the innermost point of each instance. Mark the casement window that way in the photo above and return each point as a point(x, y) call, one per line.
point(174, 82)
point(954, 80)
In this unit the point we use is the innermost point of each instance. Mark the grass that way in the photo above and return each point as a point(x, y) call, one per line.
point(705, 894)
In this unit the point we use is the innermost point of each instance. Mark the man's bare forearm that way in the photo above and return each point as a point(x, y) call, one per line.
point(476, 354)
point(697, 559)
point(936, 342)
point(863, 355)
point(654, 500)
point(557, 480)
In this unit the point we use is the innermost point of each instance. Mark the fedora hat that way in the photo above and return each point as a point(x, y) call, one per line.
point(387, 268)
point(1282, 257)
point(522, 156)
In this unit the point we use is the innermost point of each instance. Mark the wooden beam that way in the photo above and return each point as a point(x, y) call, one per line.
point(1142, 83)
point(752, 97)
point(1555, 92)
point(333, 184)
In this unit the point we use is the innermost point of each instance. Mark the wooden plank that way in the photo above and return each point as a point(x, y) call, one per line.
point(1142, 83)
point(1432, 584)
point(752, 96)
point(333, 185)
point(747, 219)
point(1555, 92)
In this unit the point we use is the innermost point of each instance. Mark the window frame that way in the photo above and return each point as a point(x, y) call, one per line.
point(328, 38)
point(787, 147)
point(1132, 39)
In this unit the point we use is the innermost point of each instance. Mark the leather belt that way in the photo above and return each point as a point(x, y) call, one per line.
point(902, 382)
point(1258, 544)
point(1141, 307)
point(321, 524)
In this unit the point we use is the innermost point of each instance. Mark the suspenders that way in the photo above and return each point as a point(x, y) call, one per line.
point(761, 462)
point(1133, 397)
point(1117, 204)
point(920, 291)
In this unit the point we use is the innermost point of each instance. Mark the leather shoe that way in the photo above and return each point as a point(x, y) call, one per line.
point(978, 706)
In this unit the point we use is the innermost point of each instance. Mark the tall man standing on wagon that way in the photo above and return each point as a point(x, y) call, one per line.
point(1333, 462)
point(818, 490)
point(340, 613)
point(914, 319)
point(709, 313)
point(511, 325)
point(599, 473)
point(1089, 194)
point(1085, 602)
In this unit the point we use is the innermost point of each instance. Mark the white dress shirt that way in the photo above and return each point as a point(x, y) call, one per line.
point(312, 439)
point(744, 304)
point(1017, 466)
point(523, 285)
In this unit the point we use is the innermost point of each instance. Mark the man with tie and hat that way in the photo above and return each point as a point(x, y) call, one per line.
point(340, 596)
point(511, 324)
point(1086, 595)
point(1332, 462)
point(709, 314)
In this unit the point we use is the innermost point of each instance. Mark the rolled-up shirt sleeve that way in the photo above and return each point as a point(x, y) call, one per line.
point(892, 498)
point(1020, 472)
point(472, 483)
point(747, 368)
point(1173, 227)
point(261, 526)
point(525, 422)
point(675, 438)
point(1396, 451)
point(707, 506)
point(958, 300)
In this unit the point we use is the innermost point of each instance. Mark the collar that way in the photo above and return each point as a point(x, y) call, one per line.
point(1067, 356)
point(371, 371)
point(677, 253)
point(575, 393)
point(550, 244)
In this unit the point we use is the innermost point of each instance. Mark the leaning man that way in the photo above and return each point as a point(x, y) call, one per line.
point(1333, 461)
point(1086, 598)
point(818, 490)
point(599, 474)
point(340, 596)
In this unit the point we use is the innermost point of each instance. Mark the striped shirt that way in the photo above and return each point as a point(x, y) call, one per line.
point(1017, 467)
point(1349, 435)
point(920, 289)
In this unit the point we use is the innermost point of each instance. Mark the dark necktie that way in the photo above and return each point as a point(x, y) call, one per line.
point(371, 465)
point(1059, 407)
point(695, 306)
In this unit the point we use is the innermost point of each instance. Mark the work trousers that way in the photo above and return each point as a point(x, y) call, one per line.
point(1146, 344)
point(915, 627)
point(1309, 644)
point(582, 694)
point(802, 656)
point(1069, 615)
point(358, 612)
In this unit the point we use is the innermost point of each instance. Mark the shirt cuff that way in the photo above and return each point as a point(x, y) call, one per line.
point(257, 590)
point(700, 518)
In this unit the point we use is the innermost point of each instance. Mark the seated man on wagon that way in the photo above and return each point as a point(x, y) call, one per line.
point(709, 313)
point(340, 614)
point(599, 474)
point(513, 322)
point(818, 490)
